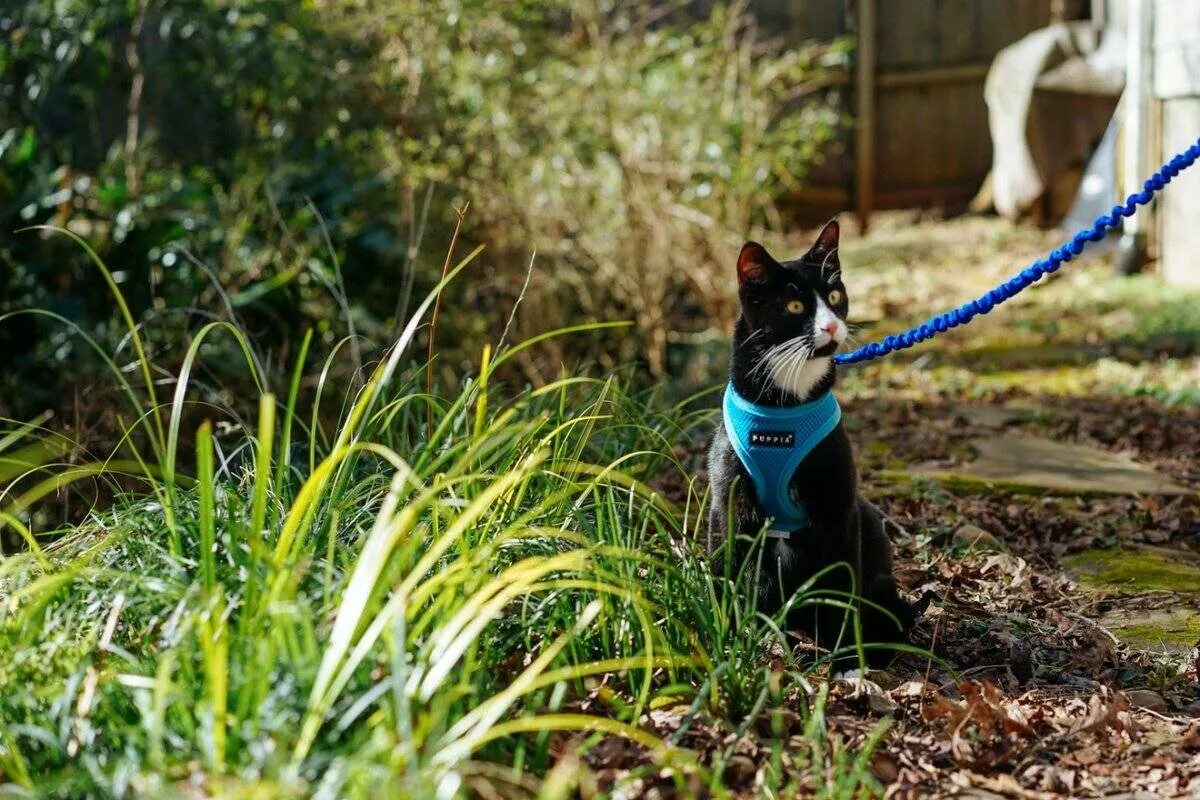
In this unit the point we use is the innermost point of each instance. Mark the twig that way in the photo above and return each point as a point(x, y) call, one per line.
point(133, 108)
point(937, 624)
point(338, 288)
point(1094, 624)
point(459, 216)
point(416, 234)
point(1163, 717)
point(521, 296)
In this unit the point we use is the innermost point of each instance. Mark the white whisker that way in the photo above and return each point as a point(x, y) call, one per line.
point(750, 338)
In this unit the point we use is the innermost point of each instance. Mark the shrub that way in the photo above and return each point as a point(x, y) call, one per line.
point(281, 162)
point(631, 153)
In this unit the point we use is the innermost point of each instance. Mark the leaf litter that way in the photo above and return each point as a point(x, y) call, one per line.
point(1042, 701)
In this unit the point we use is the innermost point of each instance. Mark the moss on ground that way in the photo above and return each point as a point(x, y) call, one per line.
point(1134, 570)
point(1173, 630)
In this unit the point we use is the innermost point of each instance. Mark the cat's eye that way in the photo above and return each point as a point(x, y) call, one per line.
point(795, 307)
point(835, 297)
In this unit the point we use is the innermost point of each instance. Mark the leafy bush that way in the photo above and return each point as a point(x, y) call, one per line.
point(631, 155)
point(195, 187)
point(281, 163)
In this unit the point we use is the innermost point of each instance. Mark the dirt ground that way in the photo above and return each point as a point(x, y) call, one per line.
point(1044, 699)
point(1050, 702)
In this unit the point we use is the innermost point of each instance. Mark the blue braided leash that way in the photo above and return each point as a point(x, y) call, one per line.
point(1031, 274)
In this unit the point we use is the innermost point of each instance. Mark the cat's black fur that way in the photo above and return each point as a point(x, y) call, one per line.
point(844, 528)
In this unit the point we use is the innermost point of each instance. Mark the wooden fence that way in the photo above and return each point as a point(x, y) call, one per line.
point(915, 92)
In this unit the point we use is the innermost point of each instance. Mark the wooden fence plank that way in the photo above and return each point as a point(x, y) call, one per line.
point(920, 129)
point(864, 146)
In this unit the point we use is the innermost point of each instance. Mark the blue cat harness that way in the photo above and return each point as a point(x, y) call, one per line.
point(771, 441)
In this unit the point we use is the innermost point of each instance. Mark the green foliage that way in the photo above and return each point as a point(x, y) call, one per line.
point(374, 608)
point(199, 181)
point(282, 163)
point(631, 155)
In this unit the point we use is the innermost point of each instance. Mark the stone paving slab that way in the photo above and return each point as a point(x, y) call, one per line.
point(1039, 463)
point(1166, 630)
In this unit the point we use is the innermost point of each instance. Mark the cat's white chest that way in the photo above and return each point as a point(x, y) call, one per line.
point(801, 380)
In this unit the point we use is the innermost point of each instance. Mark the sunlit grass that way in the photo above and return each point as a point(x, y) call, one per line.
point(371, 607)
point(1088, 331)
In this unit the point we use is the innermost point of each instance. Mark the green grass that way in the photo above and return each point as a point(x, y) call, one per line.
point(1086, 332)
point(361, 606)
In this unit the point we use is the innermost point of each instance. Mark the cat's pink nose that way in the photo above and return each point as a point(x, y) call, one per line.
point(830, 328)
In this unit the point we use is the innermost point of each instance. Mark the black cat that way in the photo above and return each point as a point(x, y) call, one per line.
point(782, 421)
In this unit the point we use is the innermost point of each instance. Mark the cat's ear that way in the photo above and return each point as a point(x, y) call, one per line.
point(827, 239)
point(753, 264)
